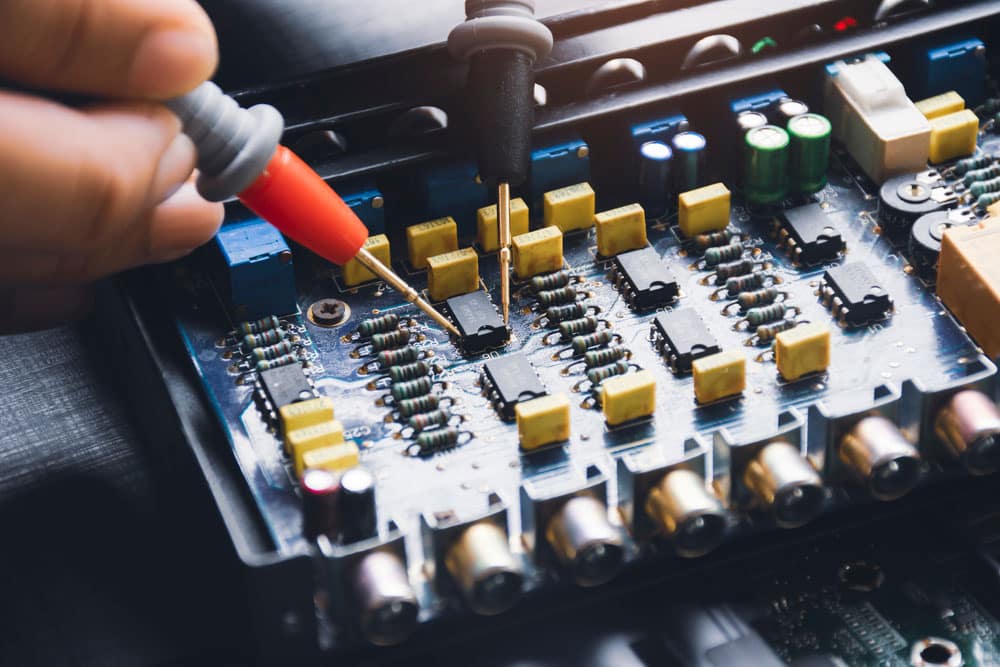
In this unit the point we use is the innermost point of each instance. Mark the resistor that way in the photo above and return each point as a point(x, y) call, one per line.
point(411, 389)
point(984, 174)
point(766, 314)
point(606, 356)
point(975, 162)
point(424, 420)
point(713, 239)
point(550, 281)
point(378, 325)
point(738, 284)
point(257, 326)
point(987, 200)
point(431, 442)
point(758, 297)
point(556, 297)
point(390, 340)
point(412, 406)
point(725, 253)
point(571, 328)
point(557, 314)
point(272, 351)
point(601, 373)
point(983, 187)
point(583, 343)
point(409, 371)
point(738, 268)
point(397, 357)
point(284, 360)
point(264, 338)
point(767, 332)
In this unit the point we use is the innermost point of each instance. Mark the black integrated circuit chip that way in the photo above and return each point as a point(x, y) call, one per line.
point(645, 279)
point(854, 294)
point(684, 338)
point(285, 385)
point(511, 380)
point(478, 321)
point(807, 233)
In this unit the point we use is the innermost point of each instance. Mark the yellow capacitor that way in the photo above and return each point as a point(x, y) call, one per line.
point(704, 209)
point(968, 280)
point(540, 251)
point(306, 439)
point(356, 273)
point(430, 238)
point(940, 105)
point(487, 224)
point(569, 208)
point(620, 229)
point(802, 350)
point(953, 136)
point(305, 413)
point(335, 458)
point(452, 273)
point(719, 376)
point(628, 397)
point(542, 421)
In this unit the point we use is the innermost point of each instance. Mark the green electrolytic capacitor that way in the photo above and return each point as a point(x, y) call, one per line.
point(810, 152)
point(766, 164)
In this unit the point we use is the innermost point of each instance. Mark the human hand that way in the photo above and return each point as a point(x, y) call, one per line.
point(88, 192)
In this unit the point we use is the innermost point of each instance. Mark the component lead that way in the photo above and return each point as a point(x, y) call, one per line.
point(503, 217)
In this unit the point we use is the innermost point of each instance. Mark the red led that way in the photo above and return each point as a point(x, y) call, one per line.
point(845, 24)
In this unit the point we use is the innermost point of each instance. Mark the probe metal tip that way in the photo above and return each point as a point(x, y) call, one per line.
point(400, 285)
point(503, 216)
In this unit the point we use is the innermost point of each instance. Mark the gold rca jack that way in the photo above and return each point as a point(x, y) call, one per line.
point(969, 427)
point(387, 604)
point(482, 565)
point(876, 450)
point(785, 483)
point(585, 541)
point(693, 517)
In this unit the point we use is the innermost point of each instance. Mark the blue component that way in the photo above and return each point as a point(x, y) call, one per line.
point(452, 189)
point(257, 277)
point(557, 166)
point(958, 65)
point(368, 204)
point(659, 129)
point(761, 102)
point(833, 69)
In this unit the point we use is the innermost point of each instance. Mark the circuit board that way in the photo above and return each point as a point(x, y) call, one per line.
point(914, 342)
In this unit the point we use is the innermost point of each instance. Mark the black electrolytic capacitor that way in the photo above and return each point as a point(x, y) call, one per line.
point(356, 505)
point(320, 497)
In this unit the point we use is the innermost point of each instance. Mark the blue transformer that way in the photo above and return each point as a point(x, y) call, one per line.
point(452, 189)
point(658, 129)
point(958, 64)
point(556, 166)
point(367, 202)
point(257, 278)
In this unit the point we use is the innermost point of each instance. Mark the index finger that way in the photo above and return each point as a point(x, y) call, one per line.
point(117, 48)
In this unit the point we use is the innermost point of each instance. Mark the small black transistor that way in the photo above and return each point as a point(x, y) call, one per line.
point(511, 380)
point(808, 235)
point(683, 338)
point(645, 279)
point(853, 294)
point(285, 385)
point(477, 319)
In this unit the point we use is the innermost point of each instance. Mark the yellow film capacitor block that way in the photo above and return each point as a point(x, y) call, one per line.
point(430, 238)
point(335, 458)
point(620, 229)
point(305, 413)
point(488, 226)
point(953, 136)
point(452, 273)
point(628, 397)
point(542, 421)
point(802, 350)
point(306, 439)
point(540, 251)
point(719, 376)
point(569, 208)
point(356, 273)
point(703, 210)
point(968, 280)
point(940, 105)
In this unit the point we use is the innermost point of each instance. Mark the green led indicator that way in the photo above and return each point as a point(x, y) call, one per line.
point(763, 44)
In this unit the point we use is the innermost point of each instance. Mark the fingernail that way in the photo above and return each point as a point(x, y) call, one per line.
point(169, 62)
point(176, 165)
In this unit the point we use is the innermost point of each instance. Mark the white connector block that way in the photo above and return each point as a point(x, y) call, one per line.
point(872, 116)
